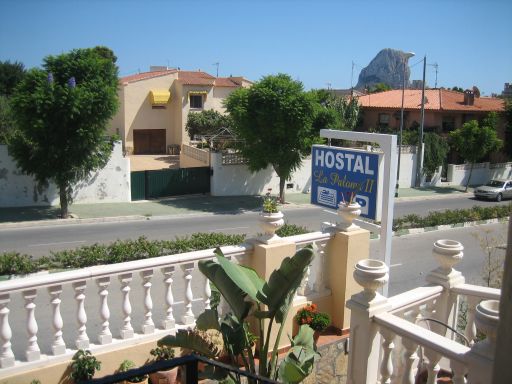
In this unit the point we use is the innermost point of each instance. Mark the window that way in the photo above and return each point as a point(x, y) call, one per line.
point(383, 120)
point(196, 101)
point(448, 123)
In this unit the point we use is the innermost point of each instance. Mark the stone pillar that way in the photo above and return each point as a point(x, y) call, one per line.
point(481, 356)
point(447, 253)
point(264, 260)
point(344, 250)
point(365, 340)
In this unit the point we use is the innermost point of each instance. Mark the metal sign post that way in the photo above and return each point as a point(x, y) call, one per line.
point(388, 145)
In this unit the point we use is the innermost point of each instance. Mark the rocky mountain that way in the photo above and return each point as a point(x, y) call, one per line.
point(386, 68)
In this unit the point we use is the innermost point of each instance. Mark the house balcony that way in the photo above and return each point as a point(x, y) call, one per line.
point(121, 310)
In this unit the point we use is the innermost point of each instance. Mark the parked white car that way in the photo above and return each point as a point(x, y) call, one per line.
point(494, 190)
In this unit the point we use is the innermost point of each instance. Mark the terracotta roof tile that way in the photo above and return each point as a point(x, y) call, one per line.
point(195, 78)
point(226, 82)
point(145, 75)
point(437, 99)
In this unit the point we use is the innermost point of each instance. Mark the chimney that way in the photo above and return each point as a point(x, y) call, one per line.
point(469, 97)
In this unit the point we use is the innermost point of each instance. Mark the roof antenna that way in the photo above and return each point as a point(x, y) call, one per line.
point(436, 66)
point(217, 64)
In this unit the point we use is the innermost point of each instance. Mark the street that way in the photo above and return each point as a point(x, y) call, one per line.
point(40, 240)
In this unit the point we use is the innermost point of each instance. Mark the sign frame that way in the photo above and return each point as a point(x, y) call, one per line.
point(388, 144)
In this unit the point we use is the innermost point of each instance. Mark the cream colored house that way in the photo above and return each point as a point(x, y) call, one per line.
point(154, 106)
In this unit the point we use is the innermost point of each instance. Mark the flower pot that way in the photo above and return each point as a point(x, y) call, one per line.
point(447, 253)
point(270, 223)
point(348, 212)
point(164, 377)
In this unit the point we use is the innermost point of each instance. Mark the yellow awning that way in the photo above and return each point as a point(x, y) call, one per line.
point(196, 93)
point(159, 97)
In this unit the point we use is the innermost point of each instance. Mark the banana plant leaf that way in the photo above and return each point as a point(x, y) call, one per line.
point(298, 363)
point(245, 278)
point(234, 334)
point(231, 292)
point(278, 293)
point(209, 319)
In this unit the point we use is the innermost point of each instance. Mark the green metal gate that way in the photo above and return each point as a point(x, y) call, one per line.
point(169, 182)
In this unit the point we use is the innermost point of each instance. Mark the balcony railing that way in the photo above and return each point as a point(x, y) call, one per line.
point(399, 337)
point(49, 317)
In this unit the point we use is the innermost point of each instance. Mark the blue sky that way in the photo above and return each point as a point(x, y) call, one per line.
point(313, 41)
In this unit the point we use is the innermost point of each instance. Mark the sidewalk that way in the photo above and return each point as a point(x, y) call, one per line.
point(183, 205)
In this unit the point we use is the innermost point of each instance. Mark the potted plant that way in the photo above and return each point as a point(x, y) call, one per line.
point(84, 366)
point(163, 377)
point(126, 365)
point(309, 315)
point(271, 219)
point(348, 210)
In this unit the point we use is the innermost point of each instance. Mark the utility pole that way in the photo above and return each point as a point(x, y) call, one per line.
point(217, 64)
point(436, 66)
point(352, 76)
point(419, 153)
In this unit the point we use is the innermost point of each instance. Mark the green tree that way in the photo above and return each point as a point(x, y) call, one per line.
point(474, 142)
point(274, 118)
point(61, 113)
point(436, 149)
point(380, 87)
point(206, 122)
point(507, 115)
point(457, 89)
point(10, 75)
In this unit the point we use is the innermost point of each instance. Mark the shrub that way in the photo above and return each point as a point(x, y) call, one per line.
point(12, 263)
point(291, 230)
point(84, 366)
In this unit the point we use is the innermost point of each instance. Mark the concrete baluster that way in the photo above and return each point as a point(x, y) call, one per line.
point(82, 341)
point(320, 278)
point(6, 354)
point(459, 370)
point(410, 357)
point(363, 359)
point(481, 355)
point(432, 365)
point(386, 366)
point(169, 321)
point(188, 316)
point(447, 253)
point(58, 344)
point(105, 336)
point(148, 326)
point(470, 330)
point(126, 329)
point(32, 353)
point(207, 294)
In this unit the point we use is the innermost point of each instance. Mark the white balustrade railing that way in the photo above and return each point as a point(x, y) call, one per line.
point(413, 332)
point(55, 314)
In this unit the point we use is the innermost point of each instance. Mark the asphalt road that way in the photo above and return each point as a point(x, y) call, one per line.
point(40, 240)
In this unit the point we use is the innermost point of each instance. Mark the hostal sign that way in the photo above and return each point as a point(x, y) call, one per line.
point(338, 173)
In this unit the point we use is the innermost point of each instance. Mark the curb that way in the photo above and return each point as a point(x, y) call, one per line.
point(42, 223)
point(415, 231)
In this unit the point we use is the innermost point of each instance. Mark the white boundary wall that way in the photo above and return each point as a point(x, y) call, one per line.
point(237, 180)
point(482, 172)
point(111, 184)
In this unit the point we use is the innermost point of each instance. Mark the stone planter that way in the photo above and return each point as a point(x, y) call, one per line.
point(486, 318)
point(348, 212)
point(447, 253)
point(270, 223)
point(371, 275)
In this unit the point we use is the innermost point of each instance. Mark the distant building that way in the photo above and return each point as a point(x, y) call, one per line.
point(417, 84)
point(507, 90)
point(346, 92)
point(154, 106)
point(445, 110)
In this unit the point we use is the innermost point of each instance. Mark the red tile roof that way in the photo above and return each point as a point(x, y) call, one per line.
point(226, 82)
point(195, 78)
point(437, 99)
point(145, 75)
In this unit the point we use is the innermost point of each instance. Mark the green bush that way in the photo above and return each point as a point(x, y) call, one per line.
point(117, 252)
point(14, 263)
point(291, 230)
point(452, 217)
